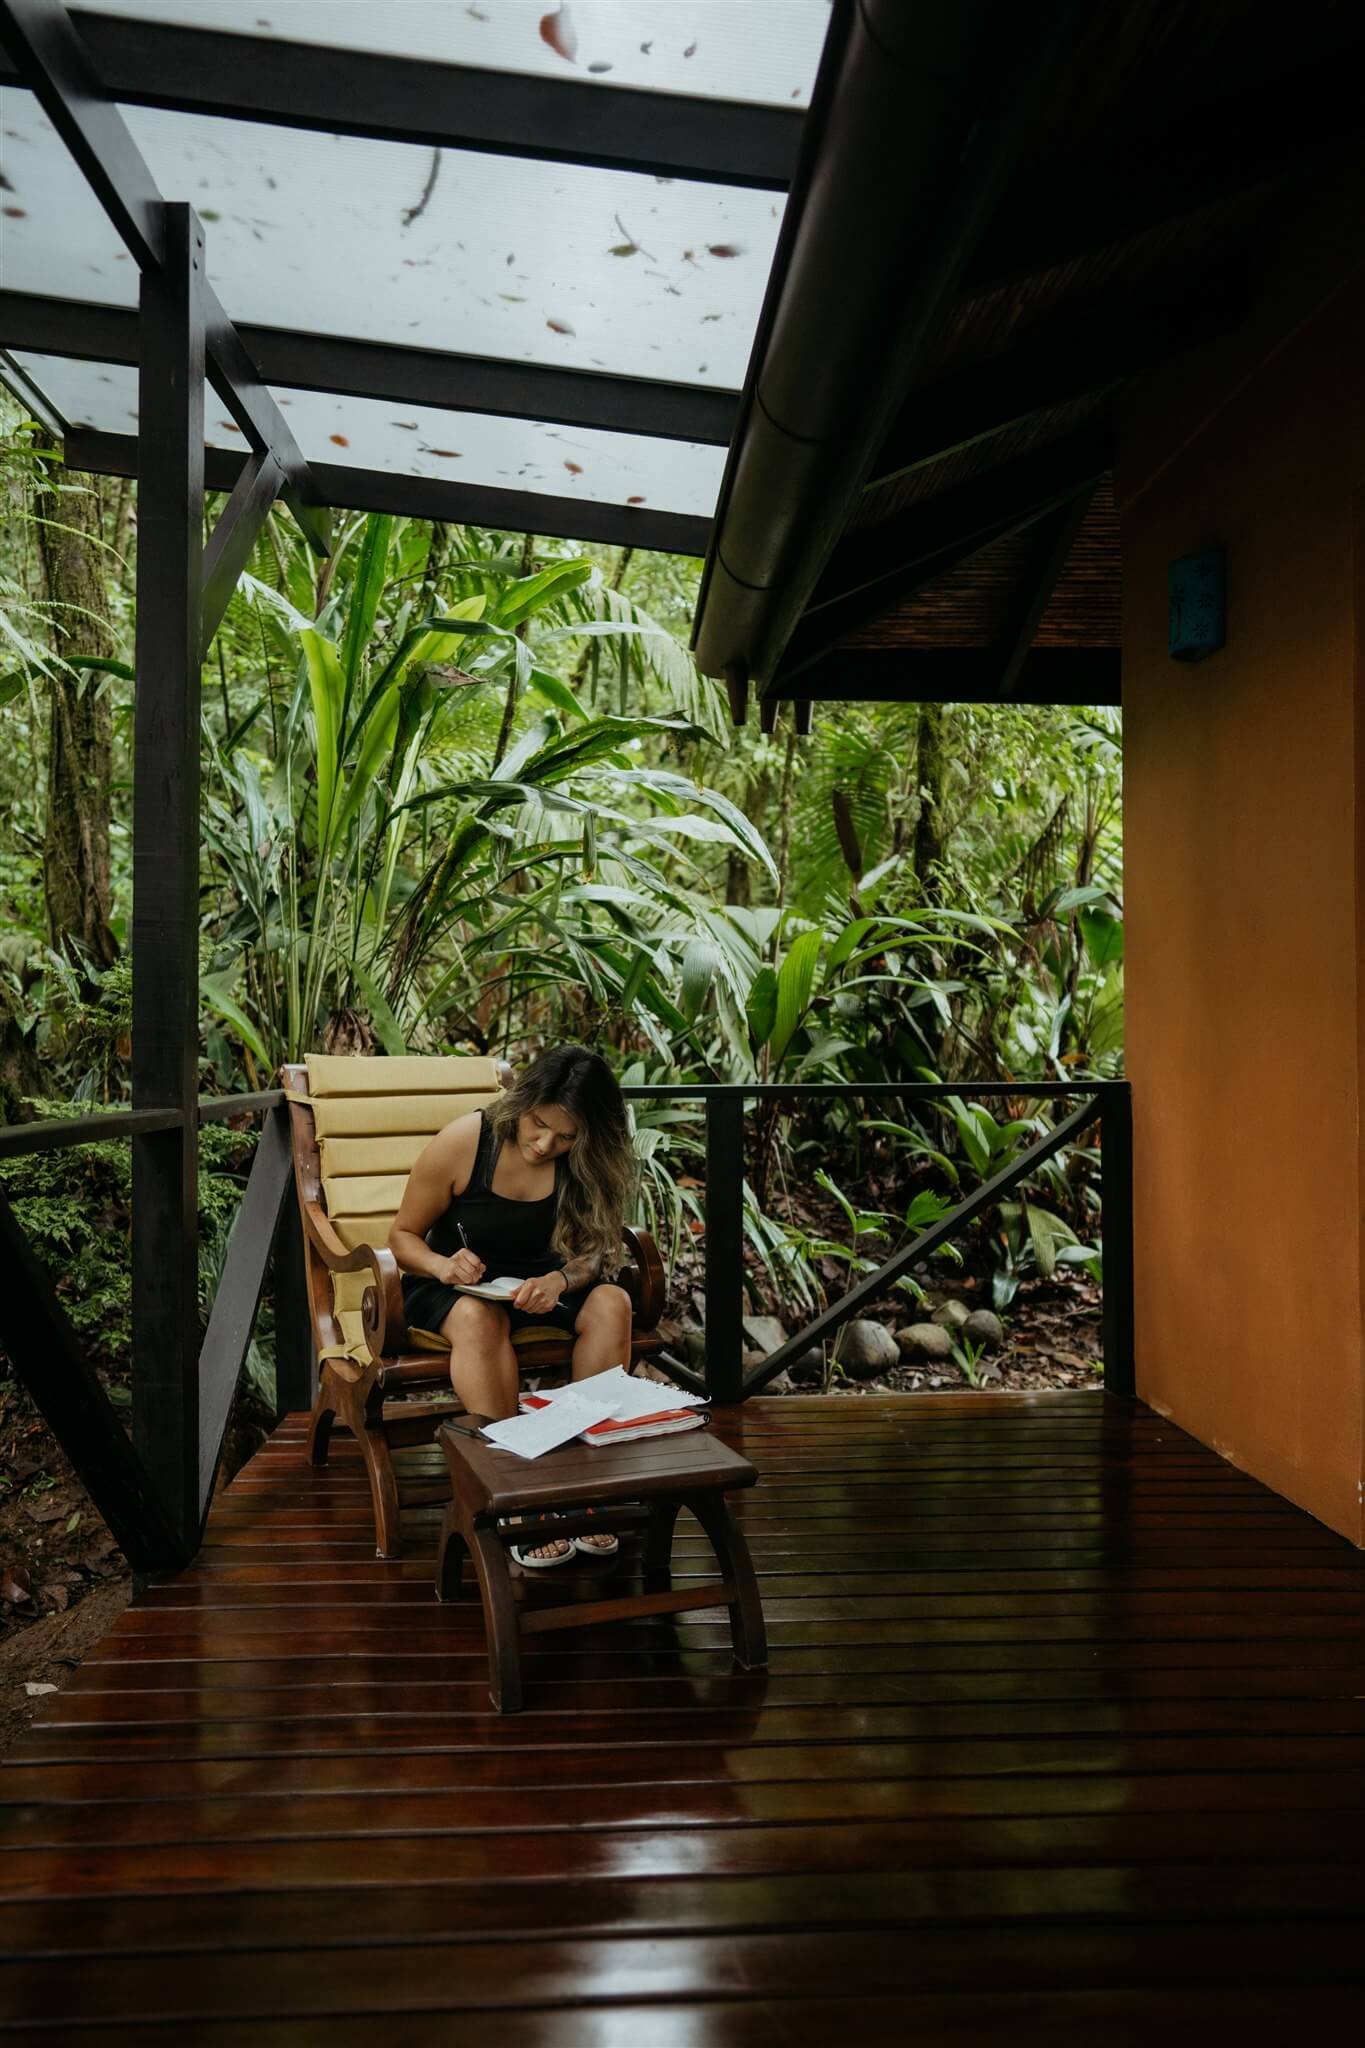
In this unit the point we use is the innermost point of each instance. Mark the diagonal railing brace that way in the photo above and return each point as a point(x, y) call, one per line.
point(874, 1284)
point(53, 1364)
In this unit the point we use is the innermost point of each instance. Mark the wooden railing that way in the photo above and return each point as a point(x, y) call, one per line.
point(1107, 1104)
point(125, 1478)
point(136, 1484)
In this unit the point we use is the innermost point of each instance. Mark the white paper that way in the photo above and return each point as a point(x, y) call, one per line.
point(544, 1429)
point(630, 1396)
point(626, 1395)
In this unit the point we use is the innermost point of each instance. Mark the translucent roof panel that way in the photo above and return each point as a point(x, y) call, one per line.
point(760, 51)
point(473, 448)
point(440, 249)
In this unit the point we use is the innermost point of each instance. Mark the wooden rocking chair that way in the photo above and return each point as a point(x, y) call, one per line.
point(357, 1126)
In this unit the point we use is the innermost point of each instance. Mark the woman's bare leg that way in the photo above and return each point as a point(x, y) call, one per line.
point(483, 1364)
point(602, 1337)
point(484, 1373)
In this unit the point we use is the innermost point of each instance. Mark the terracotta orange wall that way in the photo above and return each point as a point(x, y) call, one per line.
point(1244, 804)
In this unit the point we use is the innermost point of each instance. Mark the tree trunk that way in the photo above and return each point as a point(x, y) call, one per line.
point(80, 739)
point(929, 823)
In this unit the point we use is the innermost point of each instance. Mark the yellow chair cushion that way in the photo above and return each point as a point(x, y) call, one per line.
point(372, 1118)
point(354, 1346)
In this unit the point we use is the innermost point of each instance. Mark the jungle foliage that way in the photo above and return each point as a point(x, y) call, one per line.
point(464, 790)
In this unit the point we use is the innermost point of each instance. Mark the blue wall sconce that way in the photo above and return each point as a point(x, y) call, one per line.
point(1199, 611)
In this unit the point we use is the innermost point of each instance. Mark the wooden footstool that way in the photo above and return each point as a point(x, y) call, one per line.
point(581, 1490)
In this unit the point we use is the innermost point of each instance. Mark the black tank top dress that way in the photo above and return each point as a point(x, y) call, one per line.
point(510, 1236)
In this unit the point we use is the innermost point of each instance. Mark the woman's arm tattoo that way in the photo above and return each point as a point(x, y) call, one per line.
point(582, 1271)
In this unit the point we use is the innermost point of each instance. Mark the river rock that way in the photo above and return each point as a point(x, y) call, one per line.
point(925, 1340)
point(951, 1315)
point(981, 1327)
point(764, 1333)
point(867, 1349)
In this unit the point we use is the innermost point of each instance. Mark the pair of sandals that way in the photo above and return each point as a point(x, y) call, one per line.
point(560, 1549)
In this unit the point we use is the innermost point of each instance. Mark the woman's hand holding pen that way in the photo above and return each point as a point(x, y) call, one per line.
point(541, 1293)
point(466, 1269)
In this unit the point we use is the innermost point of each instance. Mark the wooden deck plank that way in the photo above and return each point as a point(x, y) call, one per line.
point(1064, 1715)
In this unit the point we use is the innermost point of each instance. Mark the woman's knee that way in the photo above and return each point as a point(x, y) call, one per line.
point(472, 1321)
point(608, 1306)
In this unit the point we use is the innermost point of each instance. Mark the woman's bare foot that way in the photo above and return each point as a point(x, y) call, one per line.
point(557, 1551)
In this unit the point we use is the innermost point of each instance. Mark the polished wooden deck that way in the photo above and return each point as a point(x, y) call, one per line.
point(1063, 1737)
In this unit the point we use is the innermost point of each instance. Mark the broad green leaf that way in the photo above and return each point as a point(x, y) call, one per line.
point(558, 693)
point(275, 601)
point(847, 942)
point(795, 980)
point(386, 1025)
point(225, 1005)
point(760, 1010)
point(692, 827)
point(380, 728)
point(1076, 899)
point(366, 592)
point(1106, 1018)
point(1103, 936)
point(710, 799)
point(531, 592)
point(699, 965)
point(325, 689)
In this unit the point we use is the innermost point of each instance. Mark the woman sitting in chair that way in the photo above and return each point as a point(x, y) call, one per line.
point(536, 1186)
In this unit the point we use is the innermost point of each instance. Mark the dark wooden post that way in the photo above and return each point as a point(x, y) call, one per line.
point(725, 1246)
point(170, 512)
point(1116, 1199)
point(295, 1360)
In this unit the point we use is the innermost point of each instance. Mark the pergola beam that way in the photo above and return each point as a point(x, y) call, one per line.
point(401, 376)
point(54, 64)
point(441, 106)
point(455, 504)
point(875, 569)
point(1060, 532)
point(239, 527)
point(1075, 357)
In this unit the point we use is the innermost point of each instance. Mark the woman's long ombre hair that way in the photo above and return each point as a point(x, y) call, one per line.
point(600, 1163)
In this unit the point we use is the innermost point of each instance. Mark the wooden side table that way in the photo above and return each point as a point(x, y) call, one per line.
point(580, 1490)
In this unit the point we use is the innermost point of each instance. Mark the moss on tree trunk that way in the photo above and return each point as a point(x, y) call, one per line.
point(76, 878)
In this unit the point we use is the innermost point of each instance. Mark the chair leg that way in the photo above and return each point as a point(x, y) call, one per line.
point(500, 1619)
point(320, 1425)
point(374, 1449)
point(748, 1633)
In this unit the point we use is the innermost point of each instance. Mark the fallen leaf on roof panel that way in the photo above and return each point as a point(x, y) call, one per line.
point(558, 31)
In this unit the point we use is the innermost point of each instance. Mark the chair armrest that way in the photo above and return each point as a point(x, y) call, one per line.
point(645, 1281)
point(382, 1316)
